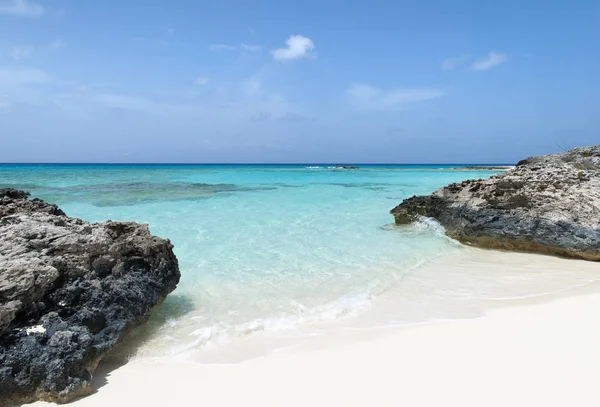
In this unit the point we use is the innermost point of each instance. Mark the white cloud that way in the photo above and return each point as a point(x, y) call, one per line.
point(493, 59)
point(21, 8)
point(123, 101)
point(21, 52)
point(451, 63)
point(298, 46)
point(23, 76)
point(372, 98)
point(222, 47)
point(201, 80)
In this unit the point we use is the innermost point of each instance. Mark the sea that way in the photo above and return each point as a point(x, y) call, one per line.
point(273, 254)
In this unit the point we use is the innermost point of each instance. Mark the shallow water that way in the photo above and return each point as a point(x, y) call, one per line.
point(264, 250)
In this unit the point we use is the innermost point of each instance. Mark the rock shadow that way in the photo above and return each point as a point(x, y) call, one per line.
point(175, 306)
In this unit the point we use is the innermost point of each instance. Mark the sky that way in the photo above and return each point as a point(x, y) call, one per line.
point(330, 81)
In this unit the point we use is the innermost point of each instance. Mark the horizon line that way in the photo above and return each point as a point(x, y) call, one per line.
point(242, 163)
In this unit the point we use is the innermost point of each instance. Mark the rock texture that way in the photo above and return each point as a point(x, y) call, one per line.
point(547, 204)
point(69, 292)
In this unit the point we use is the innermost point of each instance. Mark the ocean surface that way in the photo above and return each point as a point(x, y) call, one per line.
point(268, 253)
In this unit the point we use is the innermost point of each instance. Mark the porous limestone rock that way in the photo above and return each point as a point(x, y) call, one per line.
point(69, 292)
point(546, 204)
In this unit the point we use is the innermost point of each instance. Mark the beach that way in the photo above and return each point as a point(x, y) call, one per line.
point(262, 248)
point(293, 203)
point(540, 350)
point(524, 356)
point(296, 289)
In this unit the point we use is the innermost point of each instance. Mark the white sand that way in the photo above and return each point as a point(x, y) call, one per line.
point(535, 355)
point(540, 352)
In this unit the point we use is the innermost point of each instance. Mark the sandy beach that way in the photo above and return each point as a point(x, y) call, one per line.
point(541, 352)
point(295, 204)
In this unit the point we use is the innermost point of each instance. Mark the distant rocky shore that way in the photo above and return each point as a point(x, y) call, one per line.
point(69, 292)
point(484, 167)
point(547, 204)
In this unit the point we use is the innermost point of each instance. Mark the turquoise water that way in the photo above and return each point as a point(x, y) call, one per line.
point(261, 248)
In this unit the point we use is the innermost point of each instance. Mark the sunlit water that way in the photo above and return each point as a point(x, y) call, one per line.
point(270, 251)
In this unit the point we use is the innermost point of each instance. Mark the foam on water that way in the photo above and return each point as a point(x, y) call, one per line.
point(270, 254)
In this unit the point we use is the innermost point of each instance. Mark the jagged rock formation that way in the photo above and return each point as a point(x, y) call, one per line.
point(547, 204)
point(69, 292)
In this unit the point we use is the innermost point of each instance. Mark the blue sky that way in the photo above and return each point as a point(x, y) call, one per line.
point(296, 81)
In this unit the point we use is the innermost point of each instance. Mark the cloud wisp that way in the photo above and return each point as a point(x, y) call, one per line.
point(297, 47)
point(371, 98)
point(22, 76)
point(21, 52)
point(228, 104)
point(21, 8)
point(491, 60)
point(454, 62)
point(117, 101)
point(201, 80)
point(239, 47)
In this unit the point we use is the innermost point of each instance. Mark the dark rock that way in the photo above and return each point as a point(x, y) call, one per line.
point(9, 196)
point(547, 204)
point(69, 292)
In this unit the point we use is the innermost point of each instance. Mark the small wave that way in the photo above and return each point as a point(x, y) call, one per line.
point(313, 167)
point(422, 225)
point(425, 224)
point(184, 338)
point(342, 307)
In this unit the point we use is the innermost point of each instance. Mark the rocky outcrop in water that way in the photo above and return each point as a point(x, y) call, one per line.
point(483, 168)
point(547, 204)
point(69, 292)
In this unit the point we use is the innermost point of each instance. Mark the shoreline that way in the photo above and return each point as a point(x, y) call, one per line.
point(543, 354)
point(539, 350)
point(452, 286)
